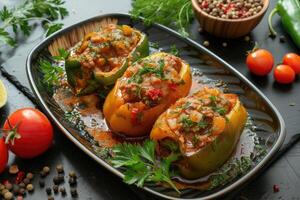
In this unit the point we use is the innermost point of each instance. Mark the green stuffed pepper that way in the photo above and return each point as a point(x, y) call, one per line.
point(103, 56)
point(204, 128)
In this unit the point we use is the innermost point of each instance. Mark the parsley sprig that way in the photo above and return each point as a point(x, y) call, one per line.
point(141, 165)
point(19, 18)
point(138, 76)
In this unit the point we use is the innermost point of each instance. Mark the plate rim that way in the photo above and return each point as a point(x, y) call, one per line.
point(241, 181)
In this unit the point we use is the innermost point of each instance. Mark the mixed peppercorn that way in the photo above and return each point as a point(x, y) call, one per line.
point(231, 9)
point(19, 183)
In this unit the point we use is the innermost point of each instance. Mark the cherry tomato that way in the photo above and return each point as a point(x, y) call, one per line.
point(293, 60)
point(284, 74)
point(260, 62)
point(3, 155)
point(29, 131)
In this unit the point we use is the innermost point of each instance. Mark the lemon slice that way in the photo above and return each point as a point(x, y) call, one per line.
point(3, 94)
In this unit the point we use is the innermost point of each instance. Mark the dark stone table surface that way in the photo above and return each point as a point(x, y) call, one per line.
point(97, 183)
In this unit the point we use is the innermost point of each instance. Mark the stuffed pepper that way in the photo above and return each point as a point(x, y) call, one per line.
point(103, 56)
point(146, 90)
point(204, 128)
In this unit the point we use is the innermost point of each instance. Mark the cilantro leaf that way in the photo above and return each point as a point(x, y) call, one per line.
point(63, 55)
point(5, 38)
point(51, 73)
point(53, 27)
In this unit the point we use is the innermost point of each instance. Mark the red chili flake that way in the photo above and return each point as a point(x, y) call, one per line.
point(275, 188)
point(154, 93)
point(136, 116)
point(172, 86)
point(20, 177)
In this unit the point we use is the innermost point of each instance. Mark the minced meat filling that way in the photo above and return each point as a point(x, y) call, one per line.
point(150, 80)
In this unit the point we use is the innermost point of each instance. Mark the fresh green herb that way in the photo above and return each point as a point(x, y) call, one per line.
point(174, 50)
point(202, 124)
point(52, 73)
point(231, 170)
point(186, 122)
point(103, 152)
point(220, 110)
point(63, 55)
point(176, 14)
point(141, 165)
point(137, 77)
point(19, 18)
point(186, 105)
point(74, 117)
point(154, 45)
point(213, 98)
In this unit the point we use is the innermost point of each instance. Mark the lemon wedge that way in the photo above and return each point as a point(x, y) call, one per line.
point(3, 94)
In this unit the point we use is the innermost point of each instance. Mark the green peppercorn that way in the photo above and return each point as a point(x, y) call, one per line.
point(29, 176)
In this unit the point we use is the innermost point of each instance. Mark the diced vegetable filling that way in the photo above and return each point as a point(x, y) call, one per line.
point(106, 49)
point(198, 119)
point(150, 80)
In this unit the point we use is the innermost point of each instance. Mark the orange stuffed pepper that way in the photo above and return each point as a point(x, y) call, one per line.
point(204, 128)
point(146, 90)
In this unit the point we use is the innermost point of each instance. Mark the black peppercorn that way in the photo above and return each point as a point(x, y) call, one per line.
point(63, 191)
point(55, 189)
point(56, 180)
point(72, 181)
point(282, 39)
point(60, 169)
point(42, 183)
point(61, 178)
point(48, 191)
point(42, 174)
point(74, 192)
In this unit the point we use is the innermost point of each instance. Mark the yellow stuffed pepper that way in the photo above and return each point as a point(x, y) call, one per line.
point(146, 90)
point(205, 128)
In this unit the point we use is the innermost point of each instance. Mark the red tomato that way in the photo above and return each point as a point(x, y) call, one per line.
point(3, 155)
point(293, 60)
point(260, 62)
point(284, 74)
point(30, 132)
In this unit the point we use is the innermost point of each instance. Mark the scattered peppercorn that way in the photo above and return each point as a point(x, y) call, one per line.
point(224, 44)
point(46, 169)
point(20, 198)
point(282, 39)
point(61, 178)
point(48, 191)
point(73, 192)
point(8, 185)
point(200, 30)
point(20, 177)
point(247, 38)
point(2, 187)
point(55, 189)
point(29, 176)
point(72, 174)
point(72, 181)
point(26, 181)
point(231, 9)
point(8, 196)
point(275, 188)
point(50, 198)
point(56, 180)
point(30, 187)
point(22, 191)
point(13, 169)
point(63, 191)
point(42, 183)
point(4, 191)
point(206, 43)
point(22, 185)
point(16, 189)
point(43, 174)
point(60, 169)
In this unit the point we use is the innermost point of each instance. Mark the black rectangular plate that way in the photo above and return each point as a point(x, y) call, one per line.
point(266, 118)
